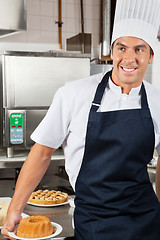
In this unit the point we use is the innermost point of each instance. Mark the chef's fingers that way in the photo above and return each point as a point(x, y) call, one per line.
point(7, 229)
point(7, 237)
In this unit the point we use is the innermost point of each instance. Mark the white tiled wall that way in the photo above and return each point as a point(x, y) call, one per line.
point(42, 31)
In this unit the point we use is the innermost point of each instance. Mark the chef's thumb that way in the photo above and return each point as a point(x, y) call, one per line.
point(7, 228)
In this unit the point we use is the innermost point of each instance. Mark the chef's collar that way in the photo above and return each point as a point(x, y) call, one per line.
point(117, 89)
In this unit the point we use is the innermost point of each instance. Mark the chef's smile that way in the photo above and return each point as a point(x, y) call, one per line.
point(128, 70)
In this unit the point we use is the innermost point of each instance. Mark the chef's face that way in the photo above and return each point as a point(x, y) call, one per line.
point(131, 57)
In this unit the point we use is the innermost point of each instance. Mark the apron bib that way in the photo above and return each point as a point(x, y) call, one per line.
point(114, 196)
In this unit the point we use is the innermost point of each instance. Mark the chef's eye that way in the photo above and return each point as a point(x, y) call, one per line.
point(139, 50)
point(121, 49)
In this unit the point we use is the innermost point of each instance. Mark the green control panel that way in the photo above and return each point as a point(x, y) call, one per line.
point(16, 128)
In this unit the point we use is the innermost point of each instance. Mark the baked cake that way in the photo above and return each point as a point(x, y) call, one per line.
point(46, 197)
point(35, 227)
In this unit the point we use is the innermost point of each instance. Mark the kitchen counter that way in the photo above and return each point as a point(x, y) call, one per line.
point(20, 156)
point(61, 214)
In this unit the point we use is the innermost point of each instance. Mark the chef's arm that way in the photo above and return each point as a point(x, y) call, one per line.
point(31, 173)
point(158, 178)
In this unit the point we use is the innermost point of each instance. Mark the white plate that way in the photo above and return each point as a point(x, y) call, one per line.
point(48, 205)
point(55, 225)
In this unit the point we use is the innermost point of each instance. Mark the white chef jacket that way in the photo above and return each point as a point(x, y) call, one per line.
point(66, 120)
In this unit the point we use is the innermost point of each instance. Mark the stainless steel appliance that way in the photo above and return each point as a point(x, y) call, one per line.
point(28, 84)
point(12, 16)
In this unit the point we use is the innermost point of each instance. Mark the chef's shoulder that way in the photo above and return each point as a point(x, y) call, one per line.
point(82, 88)
point(153, 95)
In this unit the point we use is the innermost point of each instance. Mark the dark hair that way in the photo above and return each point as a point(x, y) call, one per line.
point(151, 51)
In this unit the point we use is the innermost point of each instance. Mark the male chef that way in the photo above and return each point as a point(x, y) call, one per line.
point(109, 126)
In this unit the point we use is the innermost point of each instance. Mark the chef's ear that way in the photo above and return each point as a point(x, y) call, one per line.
point(111, 51)
point(151, 56)
point(111, 54)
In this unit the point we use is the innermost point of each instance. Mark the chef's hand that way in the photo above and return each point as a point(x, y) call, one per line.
point(12, 219)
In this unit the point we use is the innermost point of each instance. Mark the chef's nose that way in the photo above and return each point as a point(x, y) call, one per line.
point(129, 55)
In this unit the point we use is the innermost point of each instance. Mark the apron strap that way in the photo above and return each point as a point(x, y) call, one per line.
point(101, 88)
point(99, 92)
point(144, 102)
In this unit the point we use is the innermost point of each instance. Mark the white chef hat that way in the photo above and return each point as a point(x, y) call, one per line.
point(137, 18)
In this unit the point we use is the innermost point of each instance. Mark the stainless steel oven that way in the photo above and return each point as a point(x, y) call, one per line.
point(28, 83)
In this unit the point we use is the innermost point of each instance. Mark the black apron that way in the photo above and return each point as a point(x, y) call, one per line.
point(114, 196)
